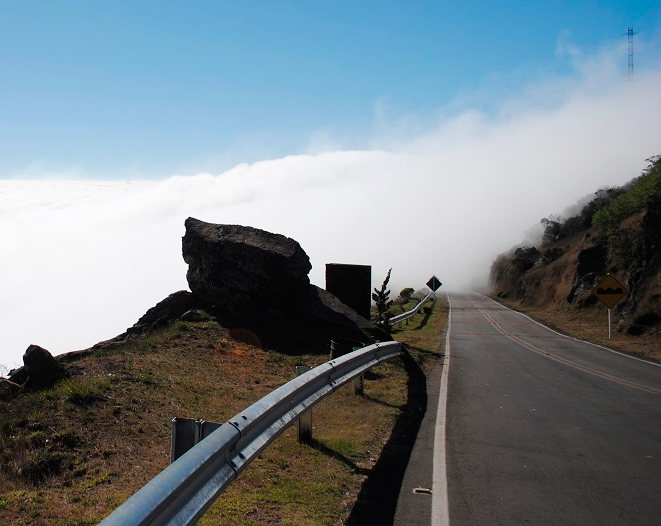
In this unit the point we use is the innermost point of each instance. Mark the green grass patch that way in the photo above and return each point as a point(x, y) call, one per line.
point(83, 392)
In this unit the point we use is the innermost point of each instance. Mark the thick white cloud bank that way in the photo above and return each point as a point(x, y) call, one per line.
point(82, 261)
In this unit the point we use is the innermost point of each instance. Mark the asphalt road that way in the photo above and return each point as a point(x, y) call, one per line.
point(544, 429)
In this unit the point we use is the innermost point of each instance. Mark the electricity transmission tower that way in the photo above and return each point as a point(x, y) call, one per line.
point(630, 35)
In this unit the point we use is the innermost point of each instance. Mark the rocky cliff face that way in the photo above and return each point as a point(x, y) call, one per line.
point(643, 306)
point(562, 275)
point(618, 233)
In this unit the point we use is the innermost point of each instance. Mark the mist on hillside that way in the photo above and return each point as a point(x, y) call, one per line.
point(82, 261)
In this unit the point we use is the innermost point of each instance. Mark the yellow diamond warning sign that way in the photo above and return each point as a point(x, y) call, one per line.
point(609, 291)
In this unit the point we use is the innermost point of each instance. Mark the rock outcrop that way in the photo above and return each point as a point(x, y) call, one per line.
point(630, 252)
point(590, 268)
point(40, 369)
point(258, 281)
point(239, 268)
point(252, 282)
point(43, 370)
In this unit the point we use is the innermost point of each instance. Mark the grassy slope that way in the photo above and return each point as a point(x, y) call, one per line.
point(71, 454)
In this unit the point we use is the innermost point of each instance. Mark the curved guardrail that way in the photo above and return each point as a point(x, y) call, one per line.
point(409, 314)
point(183, 491)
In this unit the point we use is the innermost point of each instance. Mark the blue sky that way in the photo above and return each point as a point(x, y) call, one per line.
point(426, 137)
point(135, 90)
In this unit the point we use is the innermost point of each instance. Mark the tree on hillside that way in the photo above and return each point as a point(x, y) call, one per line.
point(632, 198)
point(525, 258)
point(382, 301)
point(552, 228)
point(406, 293)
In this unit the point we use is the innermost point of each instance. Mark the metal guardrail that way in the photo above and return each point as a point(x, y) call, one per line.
point(409, 314)
point(183, 491)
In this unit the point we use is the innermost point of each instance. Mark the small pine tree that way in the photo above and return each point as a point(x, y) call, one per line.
point(382, 301)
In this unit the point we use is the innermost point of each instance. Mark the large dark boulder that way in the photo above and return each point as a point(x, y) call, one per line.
point(326, 310)
point(238, 269)
point(311, 326)
point(256, 284)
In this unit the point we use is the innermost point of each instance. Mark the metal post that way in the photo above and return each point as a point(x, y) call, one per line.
point(359, 385)
point(305, 419)
point(609, 324)
point(186, 433)
point(359, 381)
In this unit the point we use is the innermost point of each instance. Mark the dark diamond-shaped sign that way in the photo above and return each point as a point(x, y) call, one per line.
point(434, 283)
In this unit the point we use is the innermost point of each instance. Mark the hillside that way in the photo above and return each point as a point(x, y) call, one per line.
point(71, 453)
point(617, 232)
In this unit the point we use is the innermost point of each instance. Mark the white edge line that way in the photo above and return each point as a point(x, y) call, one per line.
point(440, 513)
point(572, 337)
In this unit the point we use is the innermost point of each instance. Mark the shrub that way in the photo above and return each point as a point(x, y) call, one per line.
point(573, 225)
point(406, 293)
point(525, 258)
point(382, 301)
point(39, 464)
point(632, 199)
point(83, 392)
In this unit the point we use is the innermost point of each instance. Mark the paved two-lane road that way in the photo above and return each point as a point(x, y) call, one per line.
point(545, 429)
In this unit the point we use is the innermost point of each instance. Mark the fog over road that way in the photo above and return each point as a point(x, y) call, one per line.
point(545, 429)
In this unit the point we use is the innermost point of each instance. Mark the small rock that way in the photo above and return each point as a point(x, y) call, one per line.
point(42, 369)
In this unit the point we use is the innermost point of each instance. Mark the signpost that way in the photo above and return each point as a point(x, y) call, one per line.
point(434, 283)
point(609, 291)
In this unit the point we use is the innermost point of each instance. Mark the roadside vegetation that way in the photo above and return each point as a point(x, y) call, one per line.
point(609, 206)
point(616, 232)
point(71, 454)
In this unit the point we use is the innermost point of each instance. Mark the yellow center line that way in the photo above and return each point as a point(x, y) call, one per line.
point(565, 361)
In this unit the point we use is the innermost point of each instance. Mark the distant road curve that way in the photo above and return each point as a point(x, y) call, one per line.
point(545, 429)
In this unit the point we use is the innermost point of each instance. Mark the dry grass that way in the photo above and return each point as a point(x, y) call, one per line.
point(423, 334)
point(71, 454)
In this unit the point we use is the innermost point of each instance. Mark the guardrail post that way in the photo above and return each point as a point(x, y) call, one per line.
point(359, 385)
point(184, 435)
point(305, 419)
point(186, 432)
